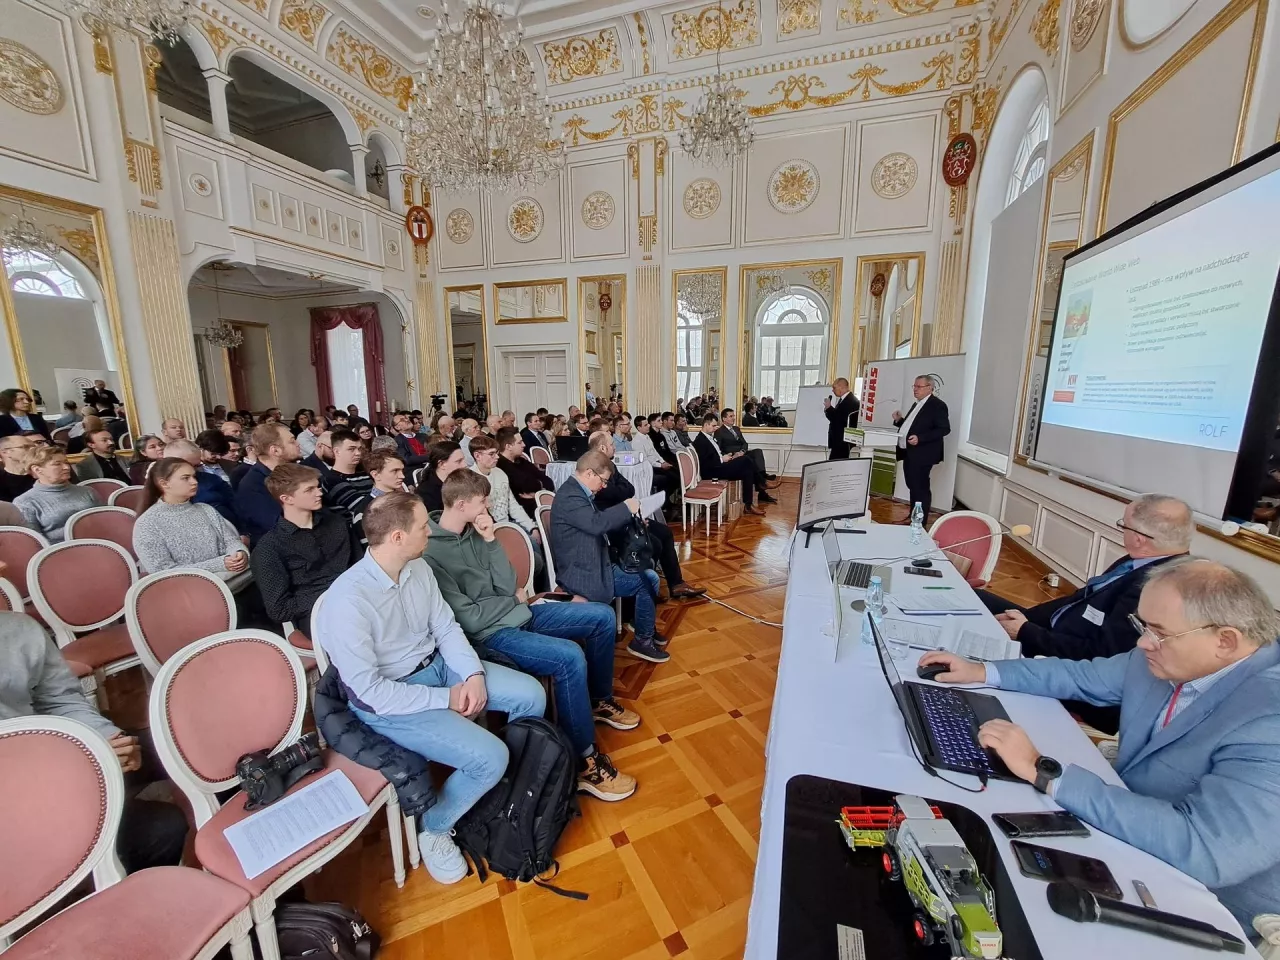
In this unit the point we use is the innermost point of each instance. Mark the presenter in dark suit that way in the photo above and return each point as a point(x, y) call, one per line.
point(841, 414)
point(920, 433)
point(532, 432)
point(713, 464)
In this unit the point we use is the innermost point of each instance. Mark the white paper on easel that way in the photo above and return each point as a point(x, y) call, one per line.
point(277, 832)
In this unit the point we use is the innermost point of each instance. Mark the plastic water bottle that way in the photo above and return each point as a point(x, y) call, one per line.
point(917, 522)
point(874, 608)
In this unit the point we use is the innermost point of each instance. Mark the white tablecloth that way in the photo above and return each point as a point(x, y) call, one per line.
point(640, 475)
point(833, 716)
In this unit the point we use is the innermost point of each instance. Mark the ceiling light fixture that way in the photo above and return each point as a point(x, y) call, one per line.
point(222, 334)
point(159, 19)
point(719, 130)
point(25, 236)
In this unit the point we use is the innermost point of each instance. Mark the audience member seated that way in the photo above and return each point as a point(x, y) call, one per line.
point(386, 470)
point(749, 418)
point(470, 428)
point(216, 492)
point(77, 436)
point(307, 549)
point(18, 415)
point(307, 437)
point(53, 498)
point(232, 429)
point(174, 530)
point(15, 478)
point(446, 457)
point(101, 463)
point(618, 490)
point(385, 444)
point(731, 441)
point(321, 459)
point(642, 443)
point(172, 429)
point(525, 478)
point(147, 450)
point(216, 454)
point(572, 643)
point(1199, 733)
point(412, 447)
point(680, 427)
point(666, 470)
point(257, 509)
point(444, 428)
point(301, 420)
point(412, 676)
point(532, 432)
point(713, 465)
point(346, 482)
point(580, 551)
point(622, 435)
point(71, 414)
point(503, 504)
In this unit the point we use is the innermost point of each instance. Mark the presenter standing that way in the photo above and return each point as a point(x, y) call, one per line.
point(920, 435)
point(841, 414)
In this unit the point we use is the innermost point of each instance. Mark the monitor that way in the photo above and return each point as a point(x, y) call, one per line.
point(571, 448)
point(830, 489)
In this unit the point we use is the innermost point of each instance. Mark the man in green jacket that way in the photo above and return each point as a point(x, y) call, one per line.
point(570, 642)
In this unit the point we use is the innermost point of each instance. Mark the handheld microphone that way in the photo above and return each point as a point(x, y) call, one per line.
point(1076, 903)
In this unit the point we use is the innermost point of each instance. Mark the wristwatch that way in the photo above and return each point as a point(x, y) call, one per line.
point(1047, 769)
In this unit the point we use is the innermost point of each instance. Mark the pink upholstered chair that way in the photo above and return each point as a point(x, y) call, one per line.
point(543, 498)
point(542, 517)
point(959, 525)
point(131, 498)
point(103, 488)
point(103, 523)
point(168, 610)
point(519, 550)
point(58, 824)
point(540, 456)
point(230, 694)
point(10, 599)
point(17, 546)
point(699, 493)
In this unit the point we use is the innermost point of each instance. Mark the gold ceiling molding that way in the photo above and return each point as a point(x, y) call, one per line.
point(797, 92)
point(999, 27)
point(696, 33)
point(1084, 21)
point(640, 117)
point(27, 81)
point(582, 56)
point(970, 60)
point(364, 121)
point(259, 5)
point(155, 60)
point(218, 38)
point(857, 13)
point(359, 58)
point(303, 19)
point(799, 16)
point(643, 33)
point(1044, 27)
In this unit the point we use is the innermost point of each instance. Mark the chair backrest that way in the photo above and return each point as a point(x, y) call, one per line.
point(131, 498)
point(58, 819)
point(17, 546)
point(10, 599)
point(317, 650)
point(102, 488)
point(103, 523)
point(220, 698)
point(166, 611)
point(960, 525)
point(61, 437)
point(688, 469)
point(542, 517)
point(543, 498)
point(417, 475)
point(541, 456)
point(80, 585)
point(519, 550)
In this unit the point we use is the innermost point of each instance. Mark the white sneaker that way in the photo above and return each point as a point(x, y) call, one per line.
point(444, 860)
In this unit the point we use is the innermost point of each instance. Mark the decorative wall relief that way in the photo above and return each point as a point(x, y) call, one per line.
point(894, 175)
point(359, 58)
point(695, 33)
point(598, 210)
point(26, 81)
point(799, 17)
point(1044, 27)
point(701, 198)
point(793, 186)
point(459, 225)
point(1084, 21)
point(525, 220)
point(582, 56)
point(303, 18)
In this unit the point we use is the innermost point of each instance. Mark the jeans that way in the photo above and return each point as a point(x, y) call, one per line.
point(582, 671)
point(630, 585)
point(478, 757)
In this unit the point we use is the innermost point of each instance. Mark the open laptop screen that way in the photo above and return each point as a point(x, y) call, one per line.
point(831, 543)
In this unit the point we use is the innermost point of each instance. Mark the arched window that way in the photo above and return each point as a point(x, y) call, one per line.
point(1031, 158)
point(690, 336)
point(791, 344)
point(38, 274)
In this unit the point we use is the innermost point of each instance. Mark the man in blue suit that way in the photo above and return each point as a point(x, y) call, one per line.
point(1199, 731)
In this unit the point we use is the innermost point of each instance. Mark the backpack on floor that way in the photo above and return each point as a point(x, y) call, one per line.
point(515, 826)
point(324, 931)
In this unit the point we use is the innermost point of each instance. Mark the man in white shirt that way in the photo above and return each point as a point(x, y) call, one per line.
point(470, 430)
point(308, 437)
point(410, 673)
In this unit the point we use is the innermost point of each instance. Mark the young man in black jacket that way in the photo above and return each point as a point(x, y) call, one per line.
point(715, 465)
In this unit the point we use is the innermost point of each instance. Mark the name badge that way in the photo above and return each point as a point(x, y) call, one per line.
point(1094, 615)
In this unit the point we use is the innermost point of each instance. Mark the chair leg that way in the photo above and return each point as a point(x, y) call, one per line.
point(241, 947)
point(264, 926)
point(411, 841)
point(395, 827)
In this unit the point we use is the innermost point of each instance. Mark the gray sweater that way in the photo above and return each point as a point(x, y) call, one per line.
point(47, 507)
point(34, 679)
point(169, 535)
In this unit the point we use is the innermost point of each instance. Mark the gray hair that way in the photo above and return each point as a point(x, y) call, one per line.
point(1164, 520)
point(1213, 593)
point(383, 443)
point(183, 450)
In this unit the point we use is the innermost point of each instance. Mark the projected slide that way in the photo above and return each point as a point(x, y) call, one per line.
point(1158, 336)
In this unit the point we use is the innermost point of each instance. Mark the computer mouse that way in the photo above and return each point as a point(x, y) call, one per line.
point(930, 671)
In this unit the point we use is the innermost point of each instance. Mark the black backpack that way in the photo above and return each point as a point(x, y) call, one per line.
point(515, 826)
point(324, 931)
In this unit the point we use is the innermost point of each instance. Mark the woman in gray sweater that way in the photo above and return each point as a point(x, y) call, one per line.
point(50, 503)
point(174, 532)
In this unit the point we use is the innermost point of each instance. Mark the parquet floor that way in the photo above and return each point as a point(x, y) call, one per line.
point(668, 871)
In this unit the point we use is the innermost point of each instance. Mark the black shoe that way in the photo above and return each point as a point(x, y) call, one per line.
point(765, 498)
point(771, 477)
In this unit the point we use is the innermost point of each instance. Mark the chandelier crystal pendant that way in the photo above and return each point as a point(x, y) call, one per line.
point(222, 334)
point(25, 236)
point(476, 118)
point(769, 282)
point(719, 130)
point(158, 19)
point(701, 294)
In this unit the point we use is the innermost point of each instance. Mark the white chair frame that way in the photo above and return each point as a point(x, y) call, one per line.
point(69, 528)
point(692, 504)
point(528, 543)
point(34, 535)
point(11, 594)
point(145, 654)
point(102, 861)
point(115, 494)
point(997, 539)
point(543, 498)
point(201, 793)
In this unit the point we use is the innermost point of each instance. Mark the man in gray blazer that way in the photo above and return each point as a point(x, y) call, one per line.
point(580, 552)
point(1199, 731)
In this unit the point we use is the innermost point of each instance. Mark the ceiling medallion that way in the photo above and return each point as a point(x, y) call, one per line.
point(1084, 21)
point(459, 225)
point(701, 198)
point(524, 220)
point(26, 81)
point(793, 186)
point(200, 185)
point(598, 210)
point(894, 175)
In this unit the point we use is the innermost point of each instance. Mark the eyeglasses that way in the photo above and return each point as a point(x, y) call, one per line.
point(1124, 526)
point(1144, 630)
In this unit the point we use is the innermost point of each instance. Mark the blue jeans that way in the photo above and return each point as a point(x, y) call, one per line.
point(478, 757)
point(630, 585)
point(582, 671)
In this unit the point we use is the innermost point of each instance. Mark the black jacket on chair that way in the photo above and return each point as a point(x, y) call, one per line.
point(708, 459)
point(930, 426)
point(843, 413)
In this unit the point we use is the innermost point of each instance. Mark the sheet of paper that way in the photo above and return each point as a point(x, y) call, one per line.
point(977, 646)
point(935, 602)
point(922, 636)
point(652, 503)
point(274, 833)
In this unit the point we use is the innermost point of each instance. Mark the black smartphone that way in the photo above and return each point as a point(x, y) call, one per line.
point(1053, 823)
point(919, 572)
point(1045, 863)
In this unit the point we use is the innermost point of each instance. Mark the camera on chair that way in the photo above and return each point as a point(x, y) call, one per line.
point(265, 778)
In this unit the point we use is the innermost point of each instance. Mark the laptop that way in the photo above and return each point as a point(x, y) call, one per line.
point(850, 573)
point(571, 448)
point(943, 721)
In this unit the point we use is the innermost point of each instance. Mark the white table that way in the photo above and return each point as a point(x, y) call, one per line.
point(640, 475)
point(839, 720)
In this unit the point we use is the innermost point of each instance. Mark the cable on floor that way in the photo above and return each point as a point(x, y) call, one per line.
point(743, 613)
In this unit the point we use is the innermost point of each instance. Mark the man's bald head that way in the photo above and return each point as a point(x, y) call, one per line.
point(1165, 524)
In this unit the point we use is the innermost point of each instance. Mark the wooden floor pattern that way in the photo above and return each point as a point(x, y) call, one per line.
point(668, 871)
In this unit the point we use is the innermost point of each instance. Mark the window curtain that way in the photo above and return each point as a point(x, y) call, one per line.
point(239, 384)
point(362, 317)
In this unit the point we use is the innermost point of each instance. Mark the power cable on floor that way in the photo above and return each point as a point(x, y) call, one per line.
point(743, 613)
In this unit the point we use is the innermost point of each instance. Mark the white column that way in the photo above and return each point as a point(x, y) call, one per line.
point(218, 81)
point(359, 154)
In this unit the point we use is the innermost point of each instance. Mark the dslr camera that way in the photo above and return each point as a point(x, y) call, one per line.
point(265, 778)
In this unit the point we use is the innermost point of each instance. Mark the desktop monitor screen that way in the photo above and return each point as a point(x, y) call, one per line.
point(831, 489)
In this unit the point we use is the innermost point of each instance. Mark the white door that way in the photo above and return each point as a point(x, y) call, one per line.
point(535, 378)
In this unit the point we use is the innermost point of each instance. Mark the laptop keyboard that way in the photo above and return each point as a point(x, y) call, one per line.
point(852, 573)
point(953, 727)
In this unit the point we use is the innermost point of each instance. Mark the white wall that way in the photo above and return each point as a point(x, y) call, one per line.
point(57, 332)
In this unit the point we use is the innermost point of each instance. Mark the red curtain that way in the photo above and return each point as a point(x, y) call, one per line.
point(239, 378)
point(359, 316)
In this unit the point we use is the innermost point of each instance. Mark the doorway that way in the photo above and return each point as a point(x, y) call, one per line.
point(533, 378)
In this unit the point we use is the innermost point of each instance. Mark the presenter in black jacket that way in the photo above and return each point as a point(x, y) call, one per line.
point(841, 414)
point(920, 433)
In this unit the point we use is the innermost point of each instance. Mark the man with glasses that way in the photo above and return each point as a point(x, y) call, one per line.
point(1199, 739)
point(15, 479)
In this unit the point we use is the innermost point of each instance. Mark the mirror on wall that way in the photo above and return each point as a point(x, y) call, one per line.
point(890, 298)
point(531, 301)
point(468, 347)
point(61, 314)
point(602, 334)
point(698, 308)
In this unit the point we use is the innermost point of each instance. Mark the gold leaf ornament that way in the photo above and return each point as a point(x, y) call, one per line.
point(303, 18)
point(27, 82)
point(1084, 21)
point(715, 27)
point(793, 186)
point(359, 58)
point(582, 56)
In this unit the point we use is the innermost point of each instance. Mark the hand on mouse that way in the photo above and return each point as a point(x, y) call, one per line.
point(958, 669)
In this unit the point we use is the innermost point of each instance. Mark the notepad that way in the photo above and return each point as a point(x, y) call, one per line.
point(952, 637)
point(927, 603)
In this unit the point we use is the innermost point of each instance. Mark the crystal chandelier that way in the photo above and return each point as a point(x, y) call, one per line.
point(701, 294)
point(476, 118)
point(159, 19)
point(718, 131)
point(222, 334)
point(26, 237)
point(769, 282)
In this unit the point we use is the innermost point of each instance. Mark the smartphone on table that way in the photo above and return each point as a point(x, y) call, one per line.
point(1045, 863)
point(1048, 823)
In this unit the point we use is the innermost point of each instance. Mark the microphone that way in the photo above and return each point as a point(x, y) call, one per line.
point(1076, 903)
